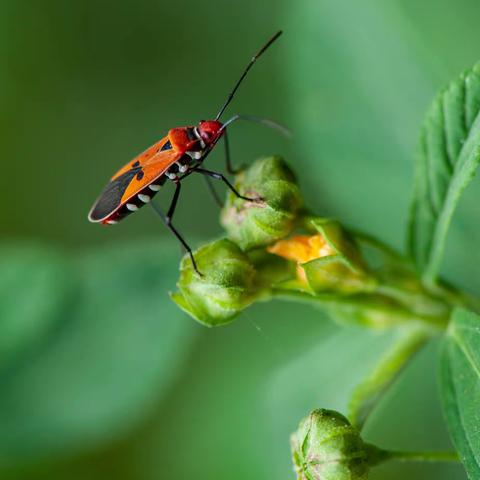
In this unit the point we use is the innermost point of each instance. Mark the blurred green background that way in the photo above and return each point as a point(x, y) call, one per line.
point(101, 376)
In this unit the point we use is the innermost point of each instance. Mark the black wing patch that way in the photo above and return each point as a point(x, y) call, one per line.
point(166, 146)
point(111, 196)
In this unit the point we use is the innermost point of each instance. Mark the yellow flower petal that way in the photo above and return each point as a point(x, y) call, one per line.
point(301, 248)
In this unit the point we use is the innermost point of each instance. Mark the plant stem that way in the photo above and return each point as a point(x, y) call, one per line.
point(381, 313)
point(420, 302)
point(427, 456)
point(369, 392)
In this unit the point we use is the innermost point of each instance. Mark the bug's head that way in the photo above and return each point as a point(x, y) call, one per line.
point(210, 131)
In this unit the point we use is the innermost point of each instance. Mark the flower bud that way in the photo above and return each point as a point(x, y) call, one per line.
point(258, 223)
point(301, 249)
point(327, 447)
point(328, 260)
point(225, 287)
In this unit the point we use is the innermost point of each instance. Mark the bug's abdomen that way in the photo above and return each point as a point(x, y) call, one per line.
point(138, 201)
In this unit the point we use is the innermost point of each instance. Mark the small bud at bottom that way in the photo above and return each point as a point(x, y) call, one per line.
point(327, 447)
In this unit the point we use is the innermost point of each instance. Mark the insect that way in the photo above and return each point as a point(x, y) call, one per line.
point(174, 157)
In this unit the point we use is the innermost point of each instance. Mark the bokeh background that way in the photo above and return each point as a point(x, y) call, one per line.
point(101, 376)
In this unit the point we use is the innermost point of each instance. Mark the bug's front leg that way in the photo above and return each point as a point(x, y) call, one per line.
point(220, 176)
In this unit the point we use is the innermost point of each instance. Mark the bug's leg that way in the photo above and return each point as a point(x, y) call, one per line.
point(228, 159)
point(220, 176)
point(167, 219)
point(173, 204)
point(213, 192)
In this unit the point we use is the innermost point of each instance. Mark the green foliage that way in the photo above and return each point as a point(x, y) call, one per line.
point(449, 154)
point(460, 387)
point(115, 350)
point(34, 288)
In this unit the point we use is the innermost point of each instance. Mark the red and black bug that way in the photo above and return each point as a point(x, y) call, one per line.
point(174, 157)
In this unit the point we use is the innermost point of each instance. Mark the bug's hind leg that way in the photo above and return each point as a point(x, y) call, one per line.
point(167, 220)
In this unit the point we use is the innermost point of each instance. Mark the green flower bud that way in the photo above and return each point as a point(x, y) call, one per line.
point(254, 224)
point(327, 447)
point(343, 270)
point(227, 284)
point(271, 269)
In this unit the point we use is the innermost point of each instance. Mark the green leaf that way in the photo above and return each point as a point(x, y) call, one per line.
point(34, 286)
point(449, 154)
point(460, 387)
point(112, 357)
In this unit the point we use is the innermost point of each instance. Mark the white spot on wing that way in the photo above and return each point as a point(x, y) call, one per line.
point(144, 198)
point(112, 222)
point(132, 207)
point(154, 187)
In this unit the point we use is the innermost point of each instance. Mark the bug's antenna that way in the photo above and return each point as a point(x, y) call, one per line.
point(264, 121)
point(244, 74)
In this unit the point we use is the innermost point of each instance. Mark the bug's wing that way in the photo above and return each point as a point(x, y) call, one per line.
point(150, 172)
point(134, 177)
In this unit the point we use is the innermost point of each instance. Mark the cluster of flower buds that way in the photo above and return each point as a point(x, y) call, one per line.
point(275, 245)
point(327, 447)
